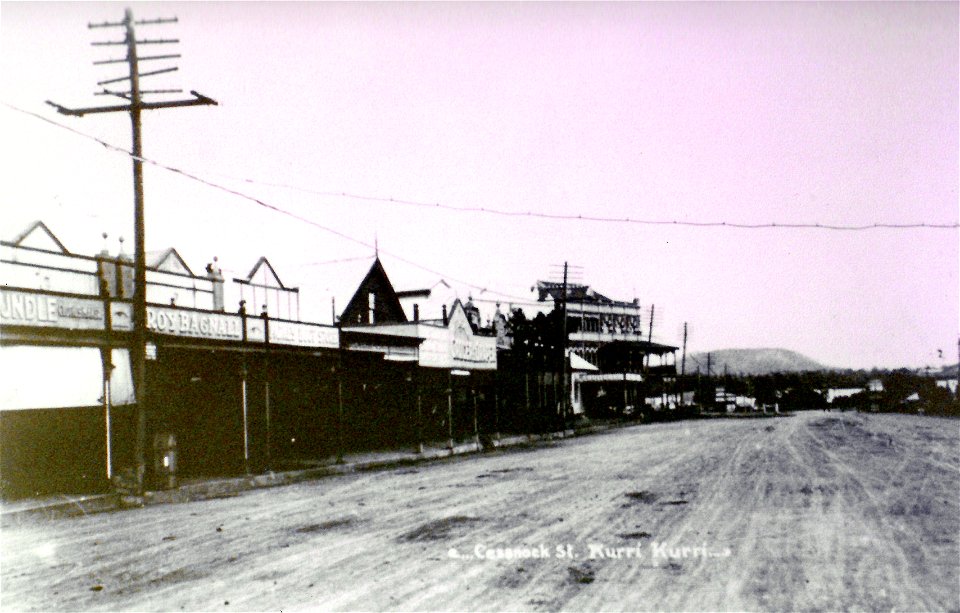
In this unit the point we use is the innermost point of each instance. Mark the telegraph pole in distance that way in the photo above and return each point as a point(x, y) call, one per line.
point(564, 369)
point(134, 97)
point(566, 392)
point(653, 308)
point(683, 363)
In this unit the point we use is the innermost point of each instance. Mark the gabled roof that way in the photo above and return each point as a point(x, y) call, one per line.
point(575, 293)
point(387, 307)
point(329, 286)
point(39, 229)
point(454, 308)
point(269, 274)
point(167, 260)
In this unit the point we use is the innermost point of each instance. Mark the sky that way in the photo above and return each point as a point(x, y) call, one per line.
point(752, 113)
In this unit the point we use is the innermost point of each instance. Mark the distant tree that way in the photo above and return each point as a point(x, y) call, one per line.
point(939, 401)
point(898, 386)
point(533, 365)
point(804, 391)
point(765, 390)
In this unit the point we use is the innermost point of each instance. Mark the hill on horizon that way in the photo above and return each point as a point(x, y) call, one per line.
point(753, 361)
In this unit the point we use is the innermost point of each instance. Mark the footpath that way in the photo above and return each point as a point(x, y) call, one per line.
point(63, 505)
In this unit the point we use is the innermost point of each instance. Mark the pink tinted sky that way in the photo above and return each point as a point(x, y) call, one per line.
point(837, 113)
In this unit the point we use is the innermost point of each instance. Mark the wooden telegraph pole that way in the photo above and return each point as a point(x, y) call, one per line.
point(683, 363)
point(683, 366)
point(653, 309)
point(564, 407)
point(135, 104)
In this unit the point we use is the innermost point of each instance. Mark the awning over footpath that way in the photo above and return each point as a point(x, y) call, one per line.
point(578, 363)
point(639, 347)
point(61, 377)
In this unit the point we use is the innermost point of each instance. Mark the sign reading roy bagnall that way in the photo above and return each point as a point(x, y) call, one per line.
point(222, 326)
point(20, 308)
point(197, 324)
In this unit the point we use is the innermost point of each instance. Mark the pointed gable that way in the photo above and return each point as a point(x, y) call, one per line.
point(38, 236)
point(375, 300)
point(267, 293)
point(167, 260)
point(265, 275)
point(457, 314)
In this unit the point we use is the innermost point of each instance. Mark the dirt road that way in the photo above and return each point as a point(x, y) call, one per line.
point(820, 511)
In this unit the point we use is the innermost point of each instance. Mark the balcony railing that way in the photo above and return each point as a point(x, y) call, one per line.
point(606, 337)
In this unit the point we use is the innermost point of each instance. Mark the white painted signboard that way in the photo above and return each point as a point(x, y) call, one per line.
point(194, 324)
point(303, 335)
point(18, 308)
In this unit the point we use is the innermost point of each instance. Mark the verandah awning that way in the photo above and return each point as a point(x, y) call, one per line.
point(578, 363)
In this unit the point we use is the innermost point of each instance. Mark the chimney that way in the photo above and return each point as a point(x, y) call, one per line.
point(125, 278)
point(107, 270)
point(216, 279)
point(445, 319)
point(416, 312)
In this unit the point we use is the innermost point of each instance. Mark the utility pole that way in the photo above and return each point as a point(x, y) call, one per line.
point(563, 352)
point(564, 368)
point(683, 363)
point(713, 390)
point(650, 333)
point(135, 104)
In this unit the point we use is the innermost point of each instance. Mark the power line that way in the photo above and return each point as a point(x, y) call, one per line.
point(337, 261)
point(529, 214)
point(256, 201)
point(602, 219)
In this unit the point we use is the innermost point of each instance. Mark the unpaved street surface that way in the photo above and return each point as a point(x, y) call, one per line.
point(819, 511)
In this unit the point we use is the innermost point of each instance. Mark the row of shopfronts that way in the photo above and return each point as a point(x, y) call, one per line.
point(230, 393)
point(234, 393)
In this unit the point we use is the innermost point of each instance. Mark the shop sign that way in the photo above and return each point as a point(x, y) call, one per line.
point(255, 331)
point(465, 347)
point(455, 346)
point(304, 335)
point(195, 324)
point(121, 316)
point(27, 309)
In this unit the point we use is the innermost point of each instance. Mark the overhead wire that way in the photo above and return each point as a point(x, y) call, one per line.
point(253, 199)
point(482, 289)
point(337, 261)
point(602, 219)
point(506, 213)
